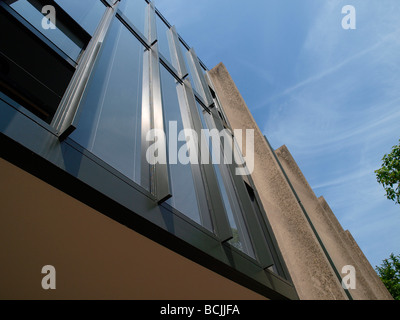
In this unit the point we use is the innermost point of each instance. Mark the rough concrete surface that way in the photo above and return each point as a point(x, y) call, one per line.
point(329, 230)
point(309, 268)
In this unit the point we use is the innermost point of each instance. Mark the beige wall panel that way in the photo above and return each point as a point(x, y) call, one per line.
point(94, 256)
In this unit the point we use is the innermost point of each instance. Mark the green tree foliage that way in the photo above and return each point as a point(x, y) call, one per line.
point(389, 272)
point(389, 174)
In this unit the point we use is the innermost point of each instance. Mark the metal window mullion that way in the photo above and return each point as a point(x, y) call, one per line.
point(199, 79)
point(159, 175)
point(279, 263)
point(176, 53)
point(151, 25)
point(146, 123)
point(255, 231)
point(184, 105)
point(160, 171)
point(200, 99)
point(67, 115)
point(262, 246)
point(195, 167)
point(109, 3)
point(217, 102)
point(237, 210)
point(212, 210)
point(216, 206)
point(241, 225)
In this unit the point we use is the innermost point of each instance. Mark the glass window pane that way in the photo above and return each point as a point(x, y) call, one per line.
point(87, 13)
point(185, 53)
point(162, 36)
point(36, 81)
point(35, 17)
point(110, 123)
point(196, 85)
point(135, 11)
point(184, 196)
point(241, 239)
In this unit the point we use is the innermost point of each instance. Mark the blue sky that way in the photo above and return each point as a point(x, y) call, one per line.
point(332, 96)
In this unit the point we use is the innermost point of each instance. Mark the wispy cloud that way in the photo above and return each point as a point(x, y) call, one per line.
point(343, 179)
point(333, 94)
point(343, 114)
point(330, 70)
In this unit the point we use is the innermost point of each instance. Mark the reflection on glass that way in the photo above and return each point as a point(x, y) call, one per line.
point(162, 36)
point(135, 11)
point(35, 17)
point(241, 239)
point(192, 70)
point(110, 123)
point(185, 53)
point(183, 190)
point(87, 13)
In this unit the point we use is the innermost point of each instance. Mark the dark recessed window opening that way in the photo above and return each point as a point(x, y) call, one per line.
point(250, 191)
point(213, 93)
point(36, 79)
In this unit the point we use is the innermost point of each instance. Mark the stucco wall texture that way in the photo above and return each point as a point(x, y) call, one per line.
point(313, 243)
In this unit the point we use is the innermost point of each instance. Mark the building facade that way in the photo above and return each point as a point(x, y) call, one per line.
point(104, 178)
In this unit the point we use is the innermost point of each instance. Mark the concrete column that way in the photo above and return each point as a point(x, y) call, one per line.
point(309, 268)
point(329, 232)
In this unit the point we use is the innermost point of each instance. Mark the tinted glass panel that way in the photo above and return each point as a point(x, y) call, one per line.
point(184, 196)
point(34, 16)
point(110, 123)
point(135, 11)
point(162, 36)
point(87, 13)
point(36, 80)
point(241, 239)
point(192, 70)
point(185, 54)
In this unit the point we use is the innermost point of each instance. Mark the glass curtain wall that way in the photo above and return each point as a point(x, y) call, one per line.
point(110, 120)
point(182, 182)
point(111, 108)
point(87, 13)
point(241, 239)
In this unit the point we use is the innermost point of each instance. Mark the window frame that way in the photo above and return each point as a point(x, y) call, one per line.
point(44, 43)
point(132, 205)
